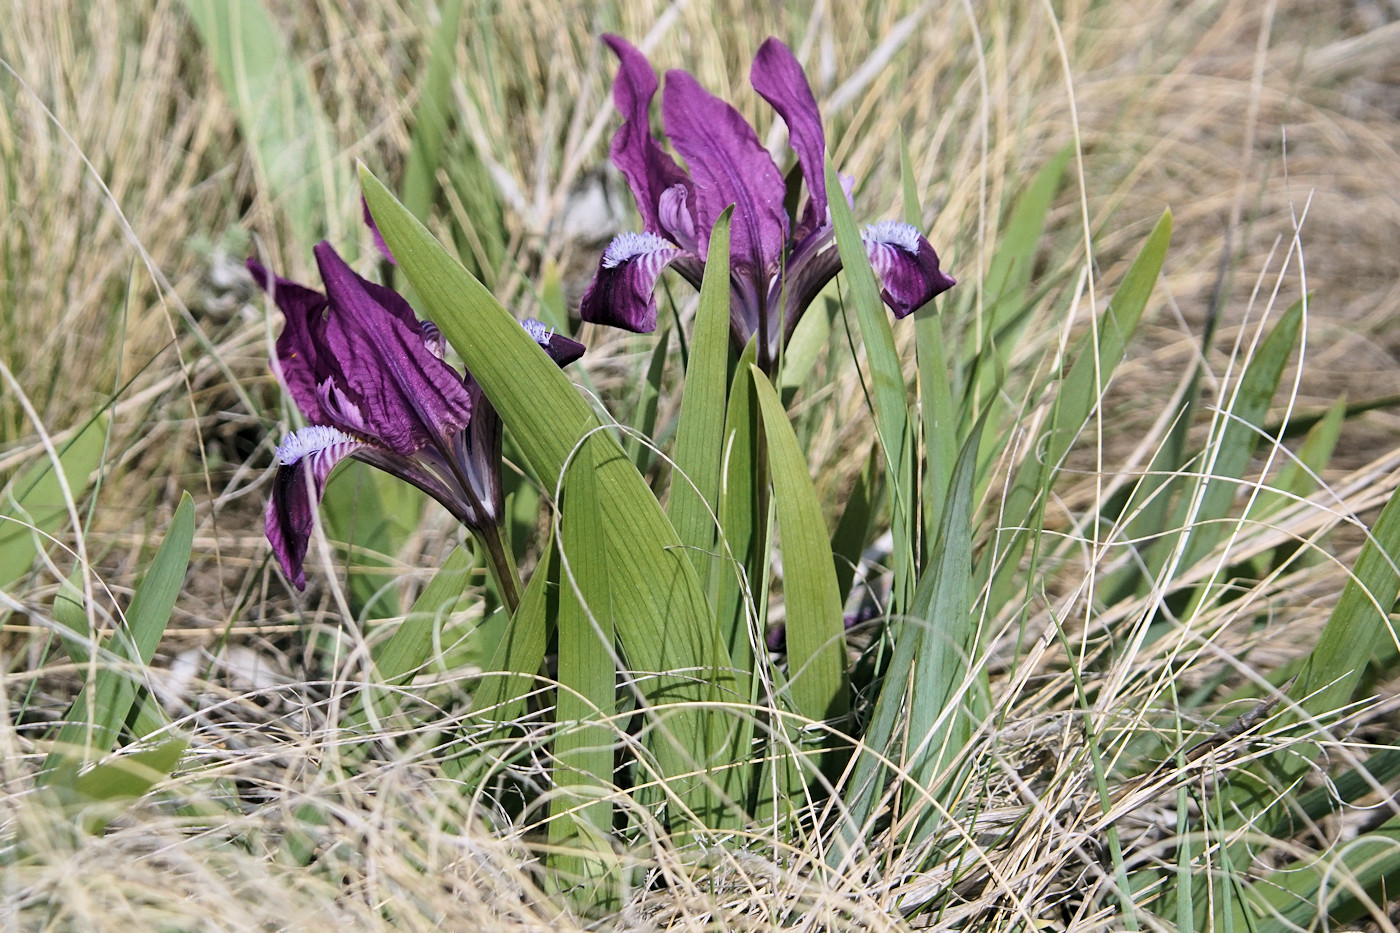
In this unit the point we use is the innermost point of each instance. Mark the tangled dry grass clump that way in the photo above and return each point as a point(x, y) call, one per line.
point(130, 196)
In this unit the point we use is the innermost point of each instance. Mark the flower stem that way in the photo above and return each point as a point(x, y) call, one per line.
point(501, 564)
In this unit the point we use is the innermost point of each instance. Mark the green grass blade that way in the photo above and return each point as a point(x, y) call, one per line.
point(430, 116)
point(33, 507)
point(1238, 437)
point(949, 638)
point(513, 671)
point(926, 667)
point(287, 132)
point(937, 404)
point(1322, 892)
point(664, 622)
point(816, 637)
point(583, 744)
point(1009, 273)
point(887, 388)
point(72, 617)
point(371, 515)
point(644, 419)
point(695, 486)
point(96, 717)
point(397, 660)
point(853, 530)
point(1097, 357)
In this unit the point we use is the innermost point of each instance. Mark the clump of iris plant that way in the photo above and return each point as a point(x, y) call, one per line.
point(778, 263)
point(371, 381)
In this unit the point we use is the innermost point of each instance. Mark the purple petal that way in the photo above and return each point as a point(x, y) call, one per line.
point(730, 166)
point(298, 345)
point(290, 512)
point(405, 396)
point(907, 265)
point(646, 166)
point(561, 349)
point(374, 229)
point(620, 295)
point(779, 79)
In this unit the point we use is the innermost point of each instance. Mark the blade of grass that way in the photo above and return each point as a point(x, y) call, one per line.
point(930, 656)
point(644, 420)
point(96, 716)
point(1096, 359)
point(887, 388)
point(34, 508)
point(431, 114)
point(288, 133)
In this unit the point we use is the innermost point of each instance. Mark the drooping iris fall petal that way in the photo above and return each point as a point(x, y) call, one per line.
point(906, 264)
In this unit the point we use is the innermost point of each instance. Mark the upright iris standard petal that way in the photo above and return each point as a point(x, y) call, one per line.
point(730, 166)
point(621, 293)
point(779, 263)
point(906, 264)
point(306, 460)
point(407, 396)
point(779, 79)
point(298, 346)
point(648, 169)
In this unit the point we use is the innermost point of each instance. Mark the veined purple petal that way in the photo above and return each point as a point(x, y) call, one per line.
point(779, 79)
point(298, 345)
point(729, 166)
point(646, 166)
point(313, 451)
point(562, 350)
point(620, 295)
point(405, 395)
point(906, 264)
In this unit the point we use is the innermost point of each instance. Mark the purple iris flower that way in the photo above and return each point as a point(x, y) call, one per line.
point(778, 264)
point(370, 379)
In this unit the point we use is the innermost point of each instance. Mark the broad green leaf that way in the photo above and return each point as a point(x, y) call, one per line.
point(742, 527)
point(288, 135)
point(887, 388)
point(665, 628)
point(1097, 357)
point(695, 483)
point(97, 795)
point(32, 504)
point(816, 637)
point(96, 717)
point(586, 735)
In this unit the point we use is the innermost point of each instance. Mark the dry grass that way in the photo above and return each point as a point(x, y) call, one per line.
point(124, 175)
